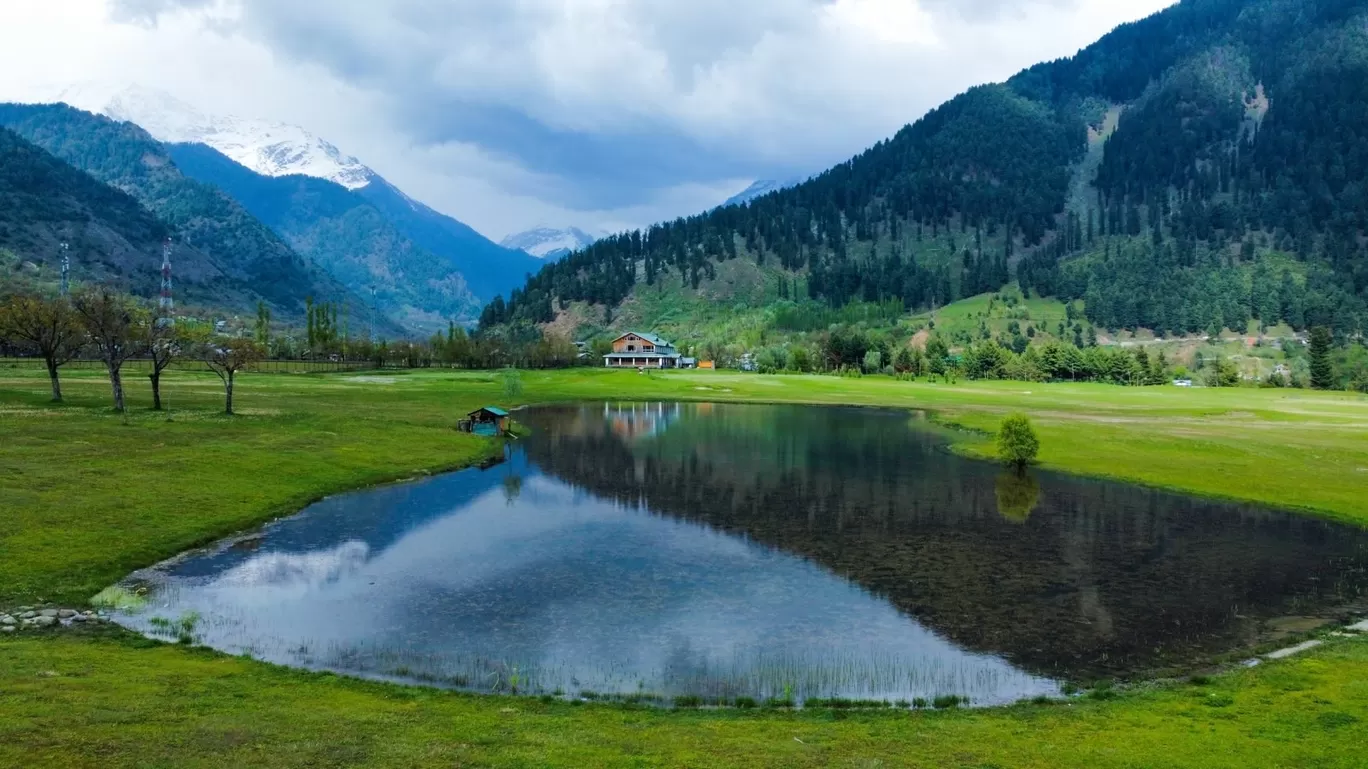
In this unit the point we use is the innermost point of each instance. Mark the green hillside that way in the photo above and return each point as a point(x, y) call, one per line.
point(1187, 173)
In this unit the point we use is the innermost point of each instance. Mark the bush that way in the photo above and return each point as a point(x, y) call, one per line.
point(1017, 444)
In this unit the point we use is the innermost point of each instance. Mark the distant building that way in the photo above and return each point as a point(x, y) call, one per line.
point(1182, 383)
point(637, 350)
point(688, 362)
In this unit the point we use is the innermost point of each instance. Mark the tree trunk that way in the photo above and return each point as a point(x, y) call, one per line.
point(116, 384)
point(155, 376)
point(56, 382)
point(228, 394)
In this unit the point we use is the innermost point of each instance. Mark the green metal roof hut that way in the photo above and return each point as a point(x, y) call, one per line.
point(489, 420)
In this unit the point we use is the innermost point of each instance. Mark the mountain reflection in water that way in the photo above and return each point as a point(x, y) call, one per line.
point(763, 551)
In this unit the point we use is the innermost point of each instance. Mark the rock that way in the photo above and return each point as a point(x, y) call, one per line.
point(50, 613)
point(1360, 627)
point(44, 621)
point(79, 618)
point(23, 609)
point(65, 613)
point(8, 620)
point(8, 628)
point(30, 614)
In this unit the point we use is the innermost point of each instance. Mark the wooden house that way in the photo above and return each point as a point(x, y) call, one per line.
point(637, 350)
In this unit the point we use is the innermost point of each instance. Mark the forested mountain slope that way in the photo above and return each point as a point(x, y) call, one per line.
point(488, 268)
point(341, 231)
point(112, 239)
point(252, 261)
point(1230, 189)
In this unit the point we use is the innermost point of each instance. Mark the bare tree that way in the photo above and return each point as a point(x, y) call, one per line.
point(226, 357)
point(166, 343)
point(117, 329)
point(49, 325)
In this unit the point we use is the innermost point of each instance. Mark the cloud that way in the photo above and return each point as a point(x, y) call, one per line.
point(594, 111)
point(148, 11)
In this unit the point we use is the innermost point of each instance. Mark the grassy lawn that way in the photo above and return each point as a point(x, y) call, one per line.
point(87, 496)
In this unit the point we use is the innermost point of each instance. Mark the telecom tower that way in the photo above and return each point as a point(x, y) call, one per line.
point(165, 303)
point(66, 271)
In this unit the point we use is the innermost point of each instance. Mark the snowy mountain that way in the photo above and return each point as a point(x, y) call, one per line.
point(270, 149)
point(758, 189)
point(550, 243)
point(425, 266)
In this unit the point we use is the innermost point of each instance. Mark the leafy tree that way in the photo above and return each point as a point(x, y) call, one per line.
point(1322, 369)
point(262, 330)
point(118, 330)
point(1222, 373)
point(1017, 444)
point(50, 326)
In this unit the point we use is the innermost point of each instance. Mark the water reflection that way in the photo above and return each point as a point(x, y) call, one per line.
point(727, 551)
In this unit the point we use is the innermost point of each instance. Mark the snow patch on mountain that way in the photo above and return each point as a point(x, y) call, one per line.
point(550, 243)
point(270, 149)
point(758, 189)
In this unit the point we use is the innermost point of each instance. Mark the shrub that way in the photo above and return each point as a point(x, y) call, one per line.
point(1017, 444)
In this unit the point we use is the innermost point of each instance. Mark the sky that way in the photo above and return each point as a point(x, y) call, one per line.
point(601, 114)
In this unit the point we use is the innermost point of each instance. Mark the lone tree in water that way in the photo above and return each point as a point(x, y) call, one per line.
point(117, 329)
point(50, 326)
point(1017, 443)
point(226, 357)
point(1322, 371)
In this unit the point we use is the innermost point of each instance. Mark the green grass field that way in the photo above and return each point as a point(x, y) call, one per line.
point(87, 496)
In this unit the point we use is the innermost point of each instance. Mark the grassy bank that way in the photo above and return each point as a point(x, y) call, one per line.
point(103, 703)
point(87, 496)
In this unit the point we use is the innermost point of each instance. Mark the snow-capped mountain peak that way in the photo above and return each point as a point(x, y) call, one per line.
point(270, 149)
point(549, 242)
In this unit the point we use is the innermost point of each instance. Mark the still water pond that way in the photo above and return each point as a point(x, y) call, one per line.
point(660, 550)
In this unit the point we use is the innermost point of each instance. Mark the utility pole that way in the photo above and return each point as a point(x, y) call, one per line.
point(66, 270)
point(165, 304)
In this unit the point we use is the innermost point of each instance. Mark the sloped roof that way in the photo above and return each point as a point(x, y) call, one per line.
point(495, 410)
point(652, 338)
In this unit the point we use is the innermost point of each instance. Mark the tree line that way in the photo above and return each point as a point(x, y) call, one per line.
point(116, 327)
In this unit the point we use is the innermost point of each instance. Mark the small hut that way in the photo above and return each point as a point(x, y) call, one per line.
point(489, 420)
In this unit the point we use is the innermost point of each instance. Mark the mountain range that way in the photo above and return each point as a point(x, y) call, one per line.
point(549, 243)
point(226, 258)
point(418, 266)
point(1196, 170)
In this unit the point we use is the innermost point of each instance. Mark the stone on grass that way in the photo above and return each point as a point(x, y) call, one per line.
point(30, 614)
point(8, 620)
point(48, 613)
point(65, 613)
point(79, 618)
point(44, 621)
point(7, 628)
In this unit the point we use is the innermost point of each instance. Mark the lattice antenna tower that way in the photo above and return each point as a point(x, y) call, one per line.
point(165, 303)
point(66, 270)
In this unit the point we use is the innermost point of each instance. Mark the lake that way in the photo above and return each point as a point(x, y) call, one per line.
point(653, 551)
